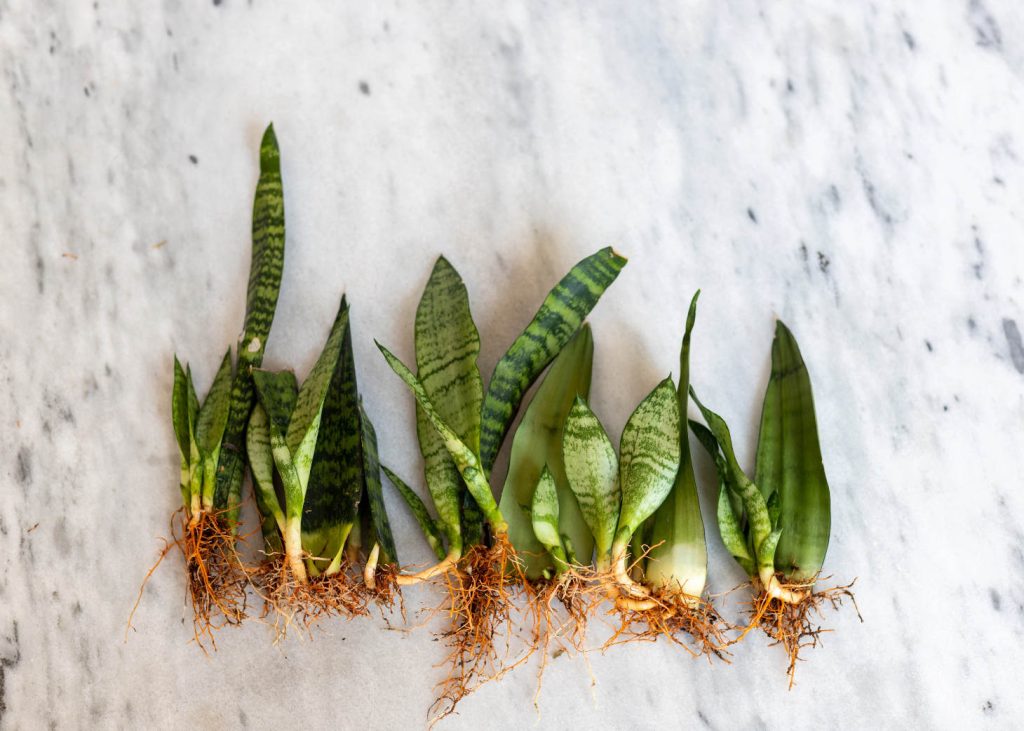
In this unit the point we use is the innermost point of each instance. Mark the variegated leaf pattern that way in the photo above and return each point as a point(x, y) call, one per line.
point(648, 457)
point(447, 348)
point(304, 426)
point(560, 315)
point(213, 414)
point(756, 511)
point(538, 442)
point(336, 476)
point(261, 462)
point(374, 496)
point(544, 516)
point(464, 457)
point(261, 302)
point(592, 470)
point(419, 511)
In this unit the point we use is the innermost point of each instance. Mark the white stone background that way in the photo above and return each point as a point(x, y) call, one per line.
point(853, 168)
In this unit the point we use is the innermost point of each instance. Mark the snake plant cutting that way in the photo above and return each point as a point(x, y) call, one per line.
point(210, 437)
point(777, 525)
point(461, 428)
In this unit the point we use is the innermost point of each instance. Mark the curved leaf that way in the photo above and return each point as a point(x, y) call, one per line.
point(419, 511)
point(464, 457)
point(560, 315)
point(544, 516)
point(538, 442)
point(261, 461)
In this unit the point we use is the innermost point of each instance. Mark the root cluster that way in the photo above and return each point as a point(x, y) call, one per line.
point(688, 621)
point(479, 605)
point(290, 603)
point(795, 626)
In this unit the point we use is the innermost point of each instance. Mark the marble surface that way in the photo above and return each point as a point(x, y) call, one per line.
point(854, 168)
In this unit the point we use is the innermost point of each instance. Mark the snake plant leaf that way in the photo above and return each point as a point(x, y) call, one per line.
point(471, 520)
point(538, 442)
point(374, 497)
point(304, 426)
point(430, 528)
point(336, 477)
point(679, 552)
point(213, 414)
point(648, 458)
point(447, 348)
point(729, 512)
point(544, 517)
point(277, 394)
point(789, 463)
point(465, 459)
point(559, 316)
point(592, 470)
point(261, 302)
point(179, 410)
point(193, 405)
point(261, 462)
point(759, 525)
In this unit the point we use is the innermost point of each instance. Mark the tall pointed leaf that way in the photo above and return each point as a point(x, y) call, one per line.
point(213, 414)
point(304, 426)
point(261, 302)
point(592, 470)
point(447, 348)
point(679, 552)
point(179, 410)
point(789, 462)
point(560, 315)
point(538, 442)
point(336, 476)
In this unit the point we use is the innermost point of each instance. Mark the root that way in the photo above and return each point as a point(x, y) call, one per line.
point(479, 605)
point(565, 628)
point(689, 621)
point(794, 625)
point(290, 602)
point(384, 590)
point(216, 577)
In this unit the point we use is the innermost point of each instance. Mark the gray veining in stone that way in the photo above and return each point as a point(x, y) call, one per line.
point(853, 168)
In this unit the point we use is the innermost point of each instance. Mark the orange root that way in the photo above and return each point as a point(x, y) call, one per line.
point(292, 603)
point(688, 621)
point(794, 626)
point(385, 591)
point(479, 606)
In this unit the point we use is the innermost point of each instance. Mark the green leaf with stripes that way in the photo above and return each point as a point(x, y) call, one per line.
point(789, 468)
point(758, 521)
point(538, 442)
point(560, 315)
point(419, 511)
point(261, 462)
point(374, 497)
point(261, 302)
point(465, 459)
point(679, 554)
point(277, 395)
point(336, 476)
point(447, 348)
point(179, 411)
point(213, 414)
point(648, 458)
point(544, 517)
point(304, 426)
point(592, 470)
